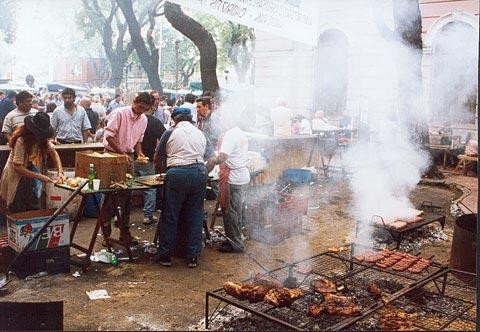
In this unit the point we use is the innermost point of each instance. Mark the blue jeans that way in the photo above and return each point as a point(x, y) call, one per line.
point(183, 209)
point(150, 195)
point(37, 184)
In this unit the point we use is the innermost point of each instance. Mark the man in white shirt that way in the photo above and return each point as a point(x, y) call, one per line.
point(233, 156)
point(282, 119)
point(320, 123)
point(189, 103)
point(16, 117)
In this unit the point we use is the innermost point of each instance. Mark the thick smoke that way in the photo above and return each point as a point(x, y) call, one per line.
point(385, 163)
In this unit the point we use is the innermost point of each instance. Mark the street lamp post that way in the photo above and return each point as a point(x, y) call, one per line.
point(177, 42)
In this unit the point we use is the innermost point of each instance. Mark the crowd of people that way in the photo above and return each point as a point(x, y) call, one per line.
point(185, 140)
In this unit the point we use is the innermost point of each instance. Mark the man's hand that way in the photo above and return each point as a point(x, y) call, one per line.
point(61, 178)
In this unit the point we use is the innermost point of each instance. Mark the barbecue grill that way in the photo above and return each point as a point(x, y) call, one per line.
point(344, 271)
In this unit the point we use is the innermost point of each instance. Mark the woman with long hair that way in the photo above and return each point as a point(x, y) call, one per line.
point(21, 181)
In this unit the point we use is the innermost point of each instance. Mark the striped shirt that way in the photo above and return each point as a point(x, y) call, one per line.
point(14, 119)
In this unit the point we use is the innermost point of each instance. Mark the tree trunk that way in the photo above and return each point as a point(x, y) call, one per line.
point(148, 60)
point(117, 73)
point(201, 38)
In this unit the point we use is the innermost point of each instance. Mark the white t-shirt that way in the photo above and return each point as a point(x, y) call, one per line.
point(235, 145)
point(281, 117)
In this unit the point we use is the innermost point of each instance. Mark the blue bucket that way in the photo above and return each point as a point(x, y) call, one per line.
point(297, 175)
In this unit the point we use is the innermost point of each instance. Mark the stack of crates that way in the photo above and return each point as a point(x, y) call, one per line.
point(272, 221)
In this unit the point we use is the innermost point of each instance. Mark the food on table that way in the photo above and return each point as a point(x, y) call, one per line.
point(283, 297)
point(142, 159)
point(128, 176)
point(373, 289)
point(323, 286)
point(394, 320)
point(74, 183)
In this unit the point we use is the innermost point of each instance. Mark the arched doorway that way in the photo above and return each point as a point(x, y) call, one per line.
point(331, 73)
point(454, 73)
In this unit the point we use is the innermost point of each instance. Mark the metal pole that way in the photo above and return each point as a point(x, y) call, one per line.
point(177, 42)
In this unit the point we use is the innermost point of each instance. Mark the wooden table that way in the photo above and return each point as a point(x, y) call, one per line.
point(65, 151)
point(109, 200)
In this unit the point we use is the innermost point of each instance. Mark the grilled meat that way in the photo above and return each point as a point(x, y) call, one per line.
point(283, 297)
point(404, 263)
point(267, 281)
point(323, 286)
point(233, 289)
point(337, 249)
point(340, 305)
point(398, 224)
point(373, 289)
point(419, 266)
point(315, 309)
point(252, 293)
point(397, 320)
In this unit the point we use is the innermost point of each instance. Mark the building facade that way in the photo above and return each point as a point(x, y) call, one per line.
point(353, 68)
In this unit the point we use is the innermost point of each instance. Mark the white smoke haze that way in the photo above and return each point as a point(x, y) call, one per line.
point(455, 73)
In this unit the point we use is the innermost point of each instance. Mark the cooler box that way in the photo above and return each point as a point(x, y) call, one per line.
point(22, 227)
point(109, 167)
point(55, 260)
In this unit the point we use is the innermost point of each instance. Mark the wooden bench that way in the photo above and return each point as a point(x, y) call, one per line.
point(465, 161)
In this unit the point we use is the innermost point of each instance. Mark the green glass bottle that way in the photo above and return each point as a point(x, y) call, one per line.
point(91, 176)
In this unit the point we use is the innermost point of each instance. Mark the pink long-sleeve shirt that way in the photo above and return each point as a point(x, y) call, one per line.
point(126, 128)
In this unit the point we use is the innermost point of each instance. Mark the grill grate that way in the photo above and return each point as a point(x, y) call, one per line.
point(441, 304)
point(339, 268)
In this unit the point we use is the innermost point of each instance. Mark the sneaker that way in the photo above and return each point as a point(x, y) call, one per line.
point(192, 262)
point(163, 260)
point(149, 220)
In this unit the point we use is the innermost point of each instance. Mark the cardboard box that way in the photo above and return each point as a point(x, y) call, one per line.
point(110, 167)
point(23, 226)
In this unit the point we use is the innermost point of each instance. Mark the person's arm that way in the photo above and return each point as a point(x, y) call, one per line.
point(53, 154)
point(114, 145)
point(209, 156)
point(138, 149)
point(7, 128)
point(86, 134)
point(160, 156)
point(86, 126)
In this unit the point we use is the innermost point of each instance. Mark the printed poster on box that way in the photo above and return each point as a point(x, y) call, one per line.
point(22, 228)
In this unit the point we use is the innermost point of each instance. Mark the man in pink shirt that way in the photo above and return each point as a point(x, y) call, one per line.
point(124, 134)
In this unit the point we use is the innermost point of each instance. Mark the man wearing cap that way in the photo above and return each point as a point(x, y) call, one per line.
point(124, 135)
point(70, 121)
point(15, 118)
point(182, 151)
point(21, 182)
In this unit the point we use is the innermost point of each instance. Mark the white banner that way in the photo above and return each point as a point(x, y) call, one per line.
point(292, 19)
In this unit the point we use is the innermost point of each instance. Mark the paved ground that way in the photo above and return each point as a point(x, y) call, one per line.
point(147, 296)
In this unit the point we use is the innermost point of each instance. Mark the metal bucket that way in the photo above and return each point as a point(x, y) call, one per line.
point(464, 247)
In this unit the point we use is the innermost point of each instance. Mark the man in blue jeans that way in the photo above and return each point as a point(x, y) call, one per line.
point(182, 151)
point(153, 133)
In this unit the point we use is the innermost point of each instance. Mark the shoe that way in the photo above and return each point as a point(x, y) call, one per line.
point(150, 220)
point(128, 239)
point(163, 260)
point(192, 262)
point(229, 249)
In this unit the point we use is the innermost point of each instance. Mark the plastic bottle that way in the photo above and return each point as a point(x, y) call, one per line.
point(91, 176)
point(114, 260)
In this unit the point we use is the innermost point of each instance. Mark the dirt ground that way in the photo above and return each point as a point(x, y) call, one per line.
point(146, 296)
